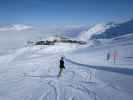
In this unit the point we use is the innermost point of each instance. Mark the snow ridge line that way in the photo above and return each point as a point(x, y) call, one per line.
point(127, 71)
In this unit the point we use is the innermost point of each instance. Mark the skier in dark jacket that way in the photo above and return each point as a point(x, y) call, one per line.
point(61, 66)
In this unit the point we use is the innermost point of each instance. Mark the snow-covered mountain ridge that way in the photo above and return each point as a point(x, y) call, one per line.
point(107, 30)
point(95, 30)
point(118, 29)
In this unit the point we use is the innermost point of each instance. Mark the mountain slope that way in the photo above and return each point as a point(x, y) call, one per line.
point(118, 30)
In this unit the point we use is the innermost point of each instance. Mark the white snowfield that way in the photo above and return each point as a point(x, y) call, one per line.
point(31, 73)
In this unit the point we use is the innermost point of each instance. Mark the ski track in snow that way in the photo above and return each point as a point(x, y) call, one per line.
point(67, 83)
point(54, 80)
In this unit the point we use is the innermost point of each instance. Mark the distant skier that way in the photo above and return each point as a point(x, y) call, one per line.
point(61, 66)
point(108, 56)
point(115, 56)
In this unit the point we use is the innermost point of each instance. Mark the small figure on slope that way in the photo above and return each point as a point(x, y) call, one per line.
point(61, 66)
point(115, 56)
point(108, 56)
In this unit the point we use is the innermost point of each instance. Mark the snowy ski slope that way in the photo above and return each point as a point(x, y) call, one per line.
point(30, 73)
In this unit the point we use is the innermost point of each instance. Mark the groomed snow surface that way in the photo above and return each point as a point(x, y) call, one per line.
point(30, 73)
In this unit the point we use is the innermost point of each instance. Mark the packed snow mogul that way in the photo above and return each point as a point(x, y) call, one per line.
point(61, 66)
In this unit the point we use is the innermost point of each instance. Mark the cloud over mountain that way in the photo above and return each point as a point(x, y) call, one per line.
point(16, 27)
point(96, 29)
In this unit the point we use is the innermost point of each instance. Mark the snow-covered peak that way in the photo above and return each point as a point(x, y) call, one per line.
point(96, 29)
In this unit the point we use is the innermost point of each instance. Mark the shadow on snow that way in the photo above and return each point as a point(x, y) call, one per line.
point(126, 71)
